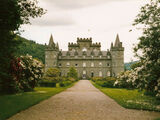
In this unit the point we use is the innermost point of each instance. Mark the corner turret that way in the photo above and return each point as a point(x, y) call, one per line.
point(117, 53)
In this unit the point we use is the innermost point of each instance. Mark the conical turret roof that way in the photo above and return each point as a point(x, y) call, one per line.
point(117, 41)
point(51, 41)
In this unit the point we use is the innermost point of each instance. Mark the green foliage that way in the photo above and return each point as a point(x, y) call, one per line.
point(104, 82)
point(132, 99)
point(97, 79)
point(13, 14)
point(30, 47)
point(149, 45)
point(135, 65)
point(65, 83)
point(72, 73)
point(52, 76)
point(48, 83)
point(25, 100)
point(53, 72)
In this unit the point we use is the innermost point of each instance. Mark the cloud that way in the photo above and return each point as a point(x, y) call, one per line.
point(76, 4)
point(60, 19)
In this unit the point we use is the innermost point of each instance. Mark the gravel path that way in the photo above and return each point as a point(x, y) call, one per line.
point(82, 102)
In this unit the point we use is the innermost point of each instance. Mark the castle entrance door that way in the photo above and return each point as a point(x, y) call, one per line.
point(84, 74)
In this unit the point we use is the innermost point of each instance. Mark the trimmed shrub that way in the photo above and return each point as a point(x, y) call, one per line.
point(65, 83)
point(47, 83)
point(96, 79)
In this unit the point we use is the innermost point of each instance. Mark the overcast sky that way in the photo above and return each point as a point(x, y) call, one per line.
point(100, 19)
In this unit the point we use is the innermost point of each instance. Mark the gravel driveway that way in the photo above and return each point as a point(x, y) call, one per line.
point(82, 102)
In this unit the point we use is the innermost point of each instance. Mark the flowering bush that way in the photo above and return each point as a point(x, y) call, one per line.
point(26, 72)
point(146, 76)
point(32, 72)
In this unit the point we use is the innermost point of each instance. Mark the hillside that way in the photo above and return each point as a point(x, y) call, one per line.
point(128, 65)
point(30, 47)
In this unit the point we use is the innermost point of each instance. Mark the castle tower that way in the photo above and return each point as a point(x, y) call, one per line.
point(117, 53)
point(51, 54)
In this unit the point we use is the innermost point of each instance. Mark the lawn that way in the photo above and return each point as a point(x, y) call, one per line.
point(11, 104)
point(132, 99)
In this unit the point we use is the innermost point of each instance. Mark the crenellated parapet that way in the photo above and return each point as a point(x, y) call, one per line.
point(84, 39)
point(96, 44)
point(73, 44)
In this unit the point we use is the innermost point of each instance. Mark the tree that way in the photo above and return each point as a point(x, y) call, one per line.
point(149, 46)
point(13, 14)
point(72, 73)
point(53, 72)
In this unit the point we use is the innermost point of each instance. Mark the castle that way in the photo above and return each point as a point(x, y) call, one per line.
point(86, 57)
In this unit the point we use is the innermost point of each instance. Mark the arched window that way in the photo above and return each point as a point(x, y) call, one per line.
point(100, 73)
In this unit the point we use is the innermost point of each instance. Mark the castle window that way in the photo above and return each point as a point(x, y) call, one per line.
point(108, 64)
point(92, 64)
point(76, 56)
point(84, 56)
point(100, 64)
point(84, 49)
point(100, 56)
point(92, 74)
point(84, 64)
point(100, 73)
point(76, 65)
point(108, 56)
point(84, 72)
point(108, 73)
point(92, 56)
point(114, 74)
point(68, 64)
point(60, 65)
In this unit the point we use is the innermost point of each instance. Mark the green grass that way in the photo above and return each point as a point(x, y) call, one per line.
point(157, 119)
point(132, 99)
point(11, 104)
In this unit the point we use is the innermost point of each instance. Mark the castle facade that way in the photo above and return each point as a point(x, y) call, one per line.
point(86, 57)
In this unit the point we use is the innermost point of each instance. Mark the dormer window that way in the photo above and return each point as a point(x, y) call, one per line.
point(84, 49)
point(100, 64)
point(68, 64)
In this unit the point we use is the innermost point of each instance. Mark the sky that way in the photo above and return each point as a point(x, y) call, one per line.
point(100, 19)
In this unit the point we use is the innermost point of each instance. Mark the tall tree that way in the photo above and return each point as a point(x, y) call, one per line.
point(13, 14)
point(149, 45)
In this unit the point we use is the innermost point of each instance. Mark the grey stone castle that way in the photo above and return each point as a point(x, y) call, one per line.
point(86, 57)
